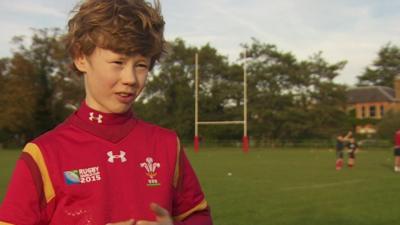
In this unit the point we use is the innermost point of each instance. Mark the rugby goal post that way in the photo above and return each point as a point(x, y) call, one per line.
point(245, 139)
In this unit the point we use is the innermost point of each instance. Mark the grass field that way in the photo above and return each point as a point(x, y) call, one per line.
point(288, 186)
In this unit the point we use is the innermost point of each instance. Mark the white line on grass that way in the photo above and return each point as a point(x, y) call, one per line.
point(322, 185)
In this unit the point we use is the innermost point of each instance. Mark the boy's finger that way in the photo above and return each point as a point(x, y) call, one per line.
point(128, 222)
point(158, 210)
point(145, 222)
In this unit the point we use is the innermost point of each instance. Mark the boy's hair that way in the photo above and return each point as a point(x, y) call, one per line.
point(125, 27)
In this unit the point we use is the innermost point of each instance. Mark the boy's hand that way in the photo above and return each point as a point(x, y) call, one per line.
point(162, 216)
point(128, 222)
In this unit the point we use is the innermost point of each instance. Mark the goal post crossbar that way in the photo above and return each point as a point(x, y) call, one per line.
point(219, 122)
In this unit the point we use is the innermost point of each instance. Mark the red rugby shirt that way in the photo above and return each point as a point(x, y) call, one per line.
point(397, 139)
point(98, 168)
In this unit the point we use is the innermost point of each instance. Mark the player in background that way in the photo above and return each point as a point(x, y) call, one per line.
point(352, 149)
point(340, 145)
point(397, 151)
point(103, 165)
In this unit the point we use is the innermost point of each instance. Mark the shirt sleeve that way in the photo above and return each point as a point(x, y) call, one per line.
point(189, 200)
point(198, 218)
point(21, 202)
point(29, 191)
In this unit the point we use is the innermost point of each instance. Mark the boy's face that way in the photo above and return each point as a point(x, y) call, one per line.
point(112, 81)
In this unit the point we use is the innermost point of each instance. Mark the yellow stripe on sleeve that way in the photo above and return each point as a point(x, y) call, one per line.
point(177, 172)
point(34, 151)
point(4, 223)
point(201, 206)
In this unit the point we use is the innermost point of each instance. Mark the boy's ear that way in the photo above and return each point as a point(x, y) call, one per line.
point(81, 63)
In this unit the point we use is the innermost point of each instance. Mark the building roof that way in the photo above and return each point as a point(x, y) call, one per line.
point(370, 94)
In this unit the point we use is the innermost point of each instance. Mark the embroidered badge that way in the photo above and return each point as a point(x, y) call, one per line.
point(151, 167)
point(82, 176)
point(98, 119)
point(112, 157)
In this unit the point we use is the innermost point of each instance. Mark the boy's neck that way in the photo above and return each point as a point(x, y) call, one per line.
point(87, 113)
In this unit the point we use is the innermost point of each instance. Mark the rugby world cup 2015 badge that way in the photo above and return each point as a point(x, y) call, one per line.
point(151, 167)
point(82, 176)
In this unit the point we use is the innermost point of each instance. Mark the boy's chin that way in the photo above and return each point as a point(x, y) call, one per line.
point(117, 108)
point(121, 109)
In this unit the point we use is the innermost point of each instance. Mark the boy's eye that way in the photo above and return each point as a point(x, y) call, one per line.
point(142, 65)
point(118, 62)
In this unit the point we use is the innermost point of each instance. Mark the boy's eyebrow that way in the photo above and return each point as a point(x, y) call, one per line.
point(142, 59)
point(121, 56)
point(118, 57)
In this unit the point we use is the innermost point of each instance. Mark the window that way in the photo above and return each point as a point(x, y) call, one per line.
point(382, 110)
point(372, 111)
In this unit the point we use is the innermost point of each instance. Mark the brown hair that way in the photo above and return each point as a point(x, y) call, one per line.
point(126, 27)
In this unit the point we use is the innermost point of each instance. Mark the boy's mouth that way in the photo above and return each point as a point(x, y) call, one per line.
point(125, 97)
point(124, 94)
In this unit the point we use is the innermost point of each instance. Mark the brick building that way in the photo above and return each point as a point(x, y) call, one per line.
point(372, 102)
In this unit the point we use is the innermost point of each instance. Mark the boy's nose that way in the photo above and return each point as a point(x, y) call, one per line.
point(129, 76)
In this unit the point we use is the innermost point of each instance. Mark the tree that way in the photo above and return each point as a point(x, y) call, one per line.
point(270, 102)
point(384, 68)
point(19, 95)
point(327, 98)
point(291, 99)
point(36, 85)
point(53, 77)
point(388, 126)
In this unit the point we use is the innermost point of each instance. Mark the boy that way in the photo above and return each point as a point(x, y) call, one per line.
point(353, 147)
point(340, 144)
point(102, 165)
point(397, 151)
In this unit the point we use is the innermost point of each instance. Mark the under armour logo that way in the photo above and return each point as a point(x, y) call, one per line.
point(97, 118)
point(112, 157)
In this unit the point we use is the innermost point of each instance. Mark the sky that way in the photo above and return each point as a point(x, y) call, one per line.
point(351, 30)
